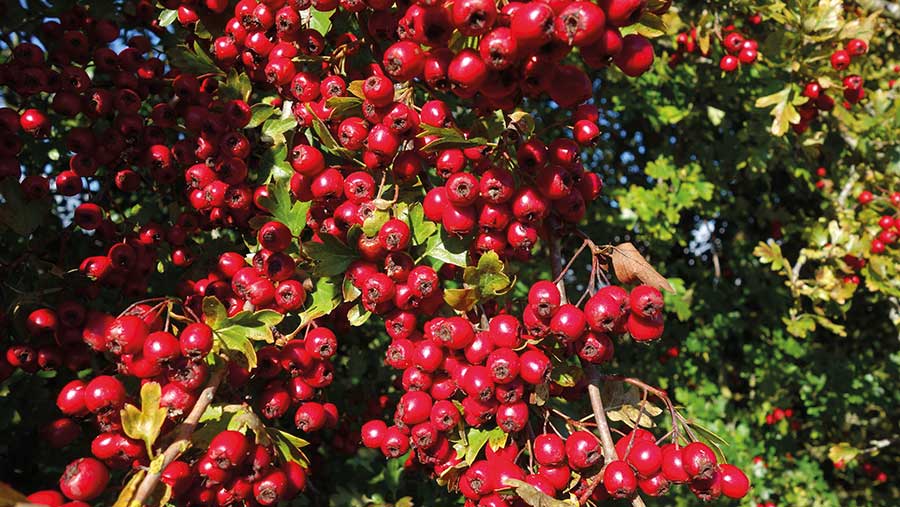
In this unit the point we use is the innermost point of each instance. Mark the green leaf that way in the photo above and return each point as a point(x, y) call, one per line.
point(715, 115)
point(374, 223)
point(447, 248)
point(566, 375)
point(421, 228)
point(770, 253)
point(522, 122)
point(193, 60)
point(843, 453)
point(320, 21)
point(234, 340)
point(325, 299)
point(330, 257)
point(328, 143)
point(652, 25)
point(276, 127)
point(344, 106)
point(356, 89)
point(167, 17)
point(288, 446)
point(826, 16)
point(478, 438)
point(281, 204)
point(237, 86)
point(775, 98)
point(448, 138)
point(357, 315)
point(487, 278)
point(146, 422)
point(260, 113)
point(860, 28)
point(125, 497)
point(801, 325)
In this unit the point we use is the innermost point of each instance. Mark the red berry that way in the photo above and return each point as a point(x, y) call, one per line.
point(583, 449)
point(84, 479)
point(734, 482)
point(699, 461)
point(228, 449)
point(549, 449)
point(619, 480)
point(104, 393)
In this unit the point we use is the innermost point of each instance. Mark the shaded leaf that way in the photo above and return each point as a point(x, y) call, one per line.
point(214, 312)
point(9, 496)
point(330, 257)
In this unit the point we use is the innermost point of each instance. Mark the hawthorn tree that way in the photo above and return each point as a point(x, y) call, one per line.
point(255, 249)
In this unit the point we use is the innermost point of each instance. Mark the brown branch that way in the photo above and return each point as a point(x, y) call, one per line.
point(606, 440)
point(182, 438)
point(557, 266)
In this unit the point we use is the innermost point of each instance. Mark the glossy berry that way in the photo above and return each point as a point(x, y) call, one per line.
point(583, 450)
point(734, 482)
point(699, 461)
point(619, 480)
point(84, 479)
point(104, 393)
point(228, 449)
point(549, 449)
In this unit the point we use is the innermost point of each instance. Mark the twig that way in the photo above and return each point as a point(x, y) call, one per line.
point(182, 438)
point(609, 448)
point(557, 266)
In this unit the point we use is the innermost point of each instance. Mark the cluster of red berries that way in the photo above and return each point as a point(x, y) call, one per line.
point(874, 472)
point(778, 414)
point(889, 225)
point(817, 95)
point(235, 469)
point(516, 53)
point(739, 49)
point(508, 217)
point(456, 373)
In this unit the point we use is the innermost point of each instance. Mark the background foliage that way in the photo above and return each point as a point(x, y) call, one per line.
point(723, 198)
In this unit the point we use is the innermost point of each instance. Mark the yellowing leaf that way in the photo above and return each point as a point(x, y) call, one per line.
point(842, 452)
point(127, 493)
point(461, 300)
point(536, 498)
point(630, 266)
point(9, 496)
point(631, 415)
point(146, 422)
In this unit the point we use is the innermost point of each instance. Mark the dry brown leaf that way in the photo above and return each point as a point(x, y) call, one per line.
point(630, 266)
